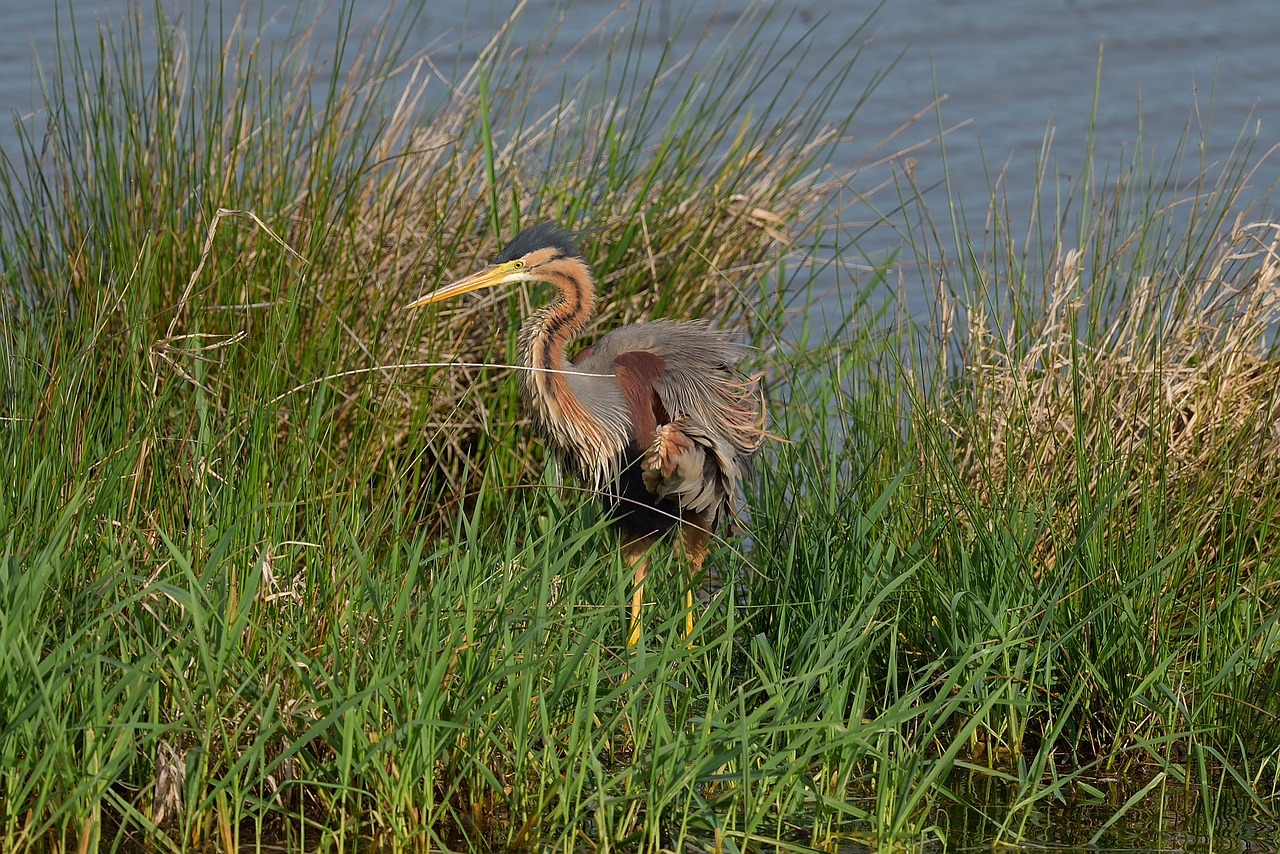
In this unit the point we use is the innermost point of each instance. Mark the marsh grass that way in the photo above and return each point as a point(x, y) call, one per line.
point(280, 562)
point(1102, 448)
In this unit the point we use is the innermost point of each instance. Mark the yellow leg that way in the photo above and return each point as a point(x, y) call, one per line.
point(634, 552)
point(695, 538)
point(637, 605)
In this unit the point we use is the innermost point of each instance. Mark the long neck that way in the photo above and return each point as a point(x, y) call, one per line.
point(547, 333)
point(587, 430)
point(565, 419)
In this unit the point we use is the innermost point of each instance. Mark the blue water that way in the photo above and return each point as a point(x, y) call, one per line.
point(1008, 71)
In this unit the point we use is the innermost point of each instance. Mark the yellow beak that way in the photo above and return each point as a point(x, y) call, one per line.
point(491, 276)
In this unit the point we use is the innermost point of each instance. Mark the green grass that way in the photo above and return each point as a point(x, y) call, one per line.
point(274, 568)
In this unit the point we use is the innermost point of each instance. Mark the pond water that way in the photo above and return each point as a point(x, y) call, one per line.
point(1009, 70)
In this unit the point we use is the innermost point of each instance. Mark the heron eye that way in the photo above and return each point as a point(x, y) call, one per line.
point(517, 264)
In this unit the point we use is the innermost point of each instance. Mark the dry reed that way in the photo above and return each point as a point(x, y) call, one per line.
point(1178, 392)
point(693, 250)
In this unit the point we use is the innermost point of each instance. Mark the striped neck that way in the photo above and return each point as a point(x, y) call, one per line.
point(568, 422)
point(545, 336)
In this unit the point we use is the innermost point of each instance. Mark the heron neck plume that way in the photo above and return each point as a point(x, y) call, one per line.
point(579, 431)
point(570, 425)
point(547, 333)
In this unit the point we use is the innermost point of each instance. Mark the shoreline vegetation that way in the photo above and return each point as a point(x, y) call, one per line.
point(280, 563)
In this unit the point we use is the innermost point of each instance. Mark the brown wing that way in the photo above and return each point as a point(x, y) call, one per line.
point(678, 456)
point(682, 465)
point(639, 374)
point(694, 421)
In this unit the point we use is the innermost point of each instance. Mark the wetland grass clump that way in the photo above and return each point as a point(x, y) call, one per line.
point(273, 571)
point(1101, 446)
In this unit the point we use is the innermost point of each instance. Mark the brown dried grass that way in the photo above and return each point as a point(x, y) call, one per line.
point(695, 249)
point(1177, 393)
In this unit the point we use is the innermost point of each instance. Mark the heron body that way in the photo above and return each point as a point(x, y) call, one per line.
point(653, 415)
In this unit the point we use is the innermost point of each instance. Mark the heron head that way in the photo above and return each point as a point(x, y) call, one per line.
point(535, 254)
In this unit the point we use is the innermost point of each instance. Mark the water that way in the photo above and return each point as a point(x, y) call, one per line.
point(1174, 818)
point(1009, 70)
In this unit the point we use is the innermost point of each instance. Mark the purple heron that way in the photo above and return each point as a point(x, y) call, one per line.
point(653, 416)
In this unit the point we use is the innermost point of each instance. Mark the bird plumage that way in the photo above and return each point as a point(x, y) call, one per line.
point(677, 374)
point(654, 415)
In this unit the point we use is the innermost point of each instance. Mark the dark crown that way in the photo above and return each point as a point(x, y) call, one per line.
point(544, 235)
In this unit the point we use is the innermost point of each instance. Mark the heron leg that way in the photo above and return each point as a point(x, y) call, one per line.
point(696, 537)
point(636, 553)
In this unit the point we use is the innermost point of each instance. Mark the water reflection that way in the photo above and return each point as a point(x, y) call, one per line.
point(1091, 814)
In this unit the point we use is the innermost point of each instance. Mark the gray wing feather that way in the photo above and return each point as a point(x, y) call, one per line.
point(714, 407)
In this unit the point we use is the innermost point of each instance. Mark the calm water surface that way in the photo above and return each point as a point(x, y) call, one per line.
point(1008, 69)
